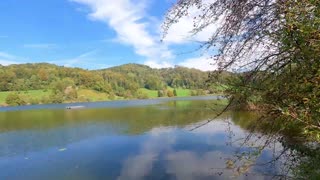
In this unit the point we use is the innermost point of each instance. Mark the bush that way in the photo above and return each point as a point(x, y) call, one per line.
point(161, 93)
point(34, 101)
point(170, 93)
point(57, 98)
point(142, 95)
point(112, 96)
point(14, 99)
point(175, 92)
point(193, 93)
point(45, 100)
point(71, 93)
point(128, 94)
point(200, 92)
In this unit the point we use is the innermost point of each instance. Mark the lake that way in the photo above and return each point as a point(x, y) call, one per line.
point(137, 139)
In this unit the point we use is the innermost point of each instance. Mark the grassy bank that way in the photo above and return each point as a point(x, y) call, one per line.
point(83, 95)
point(26, 95)
point(154, 93)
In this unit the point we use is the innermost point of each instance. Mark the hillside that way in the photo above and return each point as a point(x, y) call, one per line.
point(126, 81)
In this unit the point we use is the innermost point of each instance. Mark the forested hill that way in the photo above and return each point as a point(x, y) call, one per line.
point(48, 83)
point(125, 77)
point(120, 81)
point(156, 79)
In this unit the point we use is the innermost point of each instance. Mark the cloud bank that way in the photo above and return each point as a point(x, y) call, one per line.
point(133, 27)
point(129, 20)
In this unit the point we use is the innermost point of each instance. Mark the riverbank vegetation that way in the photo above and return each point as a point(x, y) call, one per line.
point(46, 83)
point(274, 46)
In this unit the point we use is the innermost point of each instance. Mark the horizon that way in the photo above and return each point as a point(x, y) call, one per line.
point(95, 34)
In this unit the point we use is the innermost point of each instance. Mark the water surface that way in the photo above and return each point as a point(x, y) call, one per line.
point(140, 139)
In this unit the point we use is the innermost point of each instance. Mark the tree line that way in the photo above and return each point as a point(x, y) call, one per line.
point(123, 81)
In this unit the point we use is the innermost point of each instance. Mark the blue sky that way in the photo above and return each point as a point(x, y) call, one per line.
point(95, 34)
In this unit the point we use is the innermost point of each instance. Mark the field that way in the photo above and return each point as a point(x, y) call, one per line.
point(91, 95)
point(83, 95)
point(154, 93)
point(34, 96)
point(150, 93)
point(31, 94)
point(182, 92)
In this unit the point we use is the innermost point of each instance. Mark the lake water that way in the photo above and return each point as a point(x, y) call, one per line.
point(139, 139)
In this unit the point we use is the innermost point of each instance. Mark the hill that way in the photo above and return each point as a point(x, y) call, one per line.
point(125, 81)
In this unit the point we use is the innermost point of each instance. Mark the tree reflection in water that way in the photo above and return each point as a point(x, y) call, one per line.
point(292, 158)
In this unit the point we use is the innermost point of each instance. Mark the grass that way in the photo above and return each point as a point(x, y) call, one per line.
point(91, 95)
point(83, 94)
point(86, 94)
point(154, 93)
point(181, 92)
point(35, 94)
point(150, 93)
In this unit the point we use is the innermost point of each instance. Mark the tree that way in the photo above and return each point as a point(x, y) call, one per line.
point(153, 83)
point(273, 46)
point(43, 74)
point(275, 43)
point(175, 92)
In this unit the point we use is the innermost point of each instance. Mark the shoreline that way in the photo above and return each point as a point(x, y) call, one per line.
point(212, 97)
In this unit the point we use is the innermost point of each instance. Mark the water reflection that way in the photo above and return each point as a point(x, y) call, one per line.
point(145, 142)
point(141, 165)
point(184, 155)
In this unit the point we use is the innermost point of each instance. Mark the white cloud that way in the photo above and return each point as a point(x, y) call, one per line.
point(181, 32)
point(158, 65)
point(134, 27)
point(202, 63)
point(131, 23)
point(40, 46)
point(148, 155)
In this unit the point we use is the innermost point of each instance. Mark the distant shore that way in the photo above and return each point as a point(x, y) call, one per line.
point(90, 99)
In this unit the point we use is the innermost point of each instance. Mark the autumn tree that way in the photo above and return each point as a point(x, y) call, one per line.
point(273, 45)
point(273, 48)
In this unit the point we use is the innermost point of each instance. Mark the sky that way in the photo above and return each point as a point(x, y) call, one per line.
point(95, 34)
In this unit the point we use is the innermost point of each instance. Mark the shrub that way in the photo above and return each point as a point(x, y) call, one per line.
point(170, 93)
point(14, 99)
point(142, 95)
point(56, 98)
point(161, 93)
point(175, 92)
point(45, 100)
point(112, 96)
point(200, 92)
point(34, 101)
point(193, 93)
